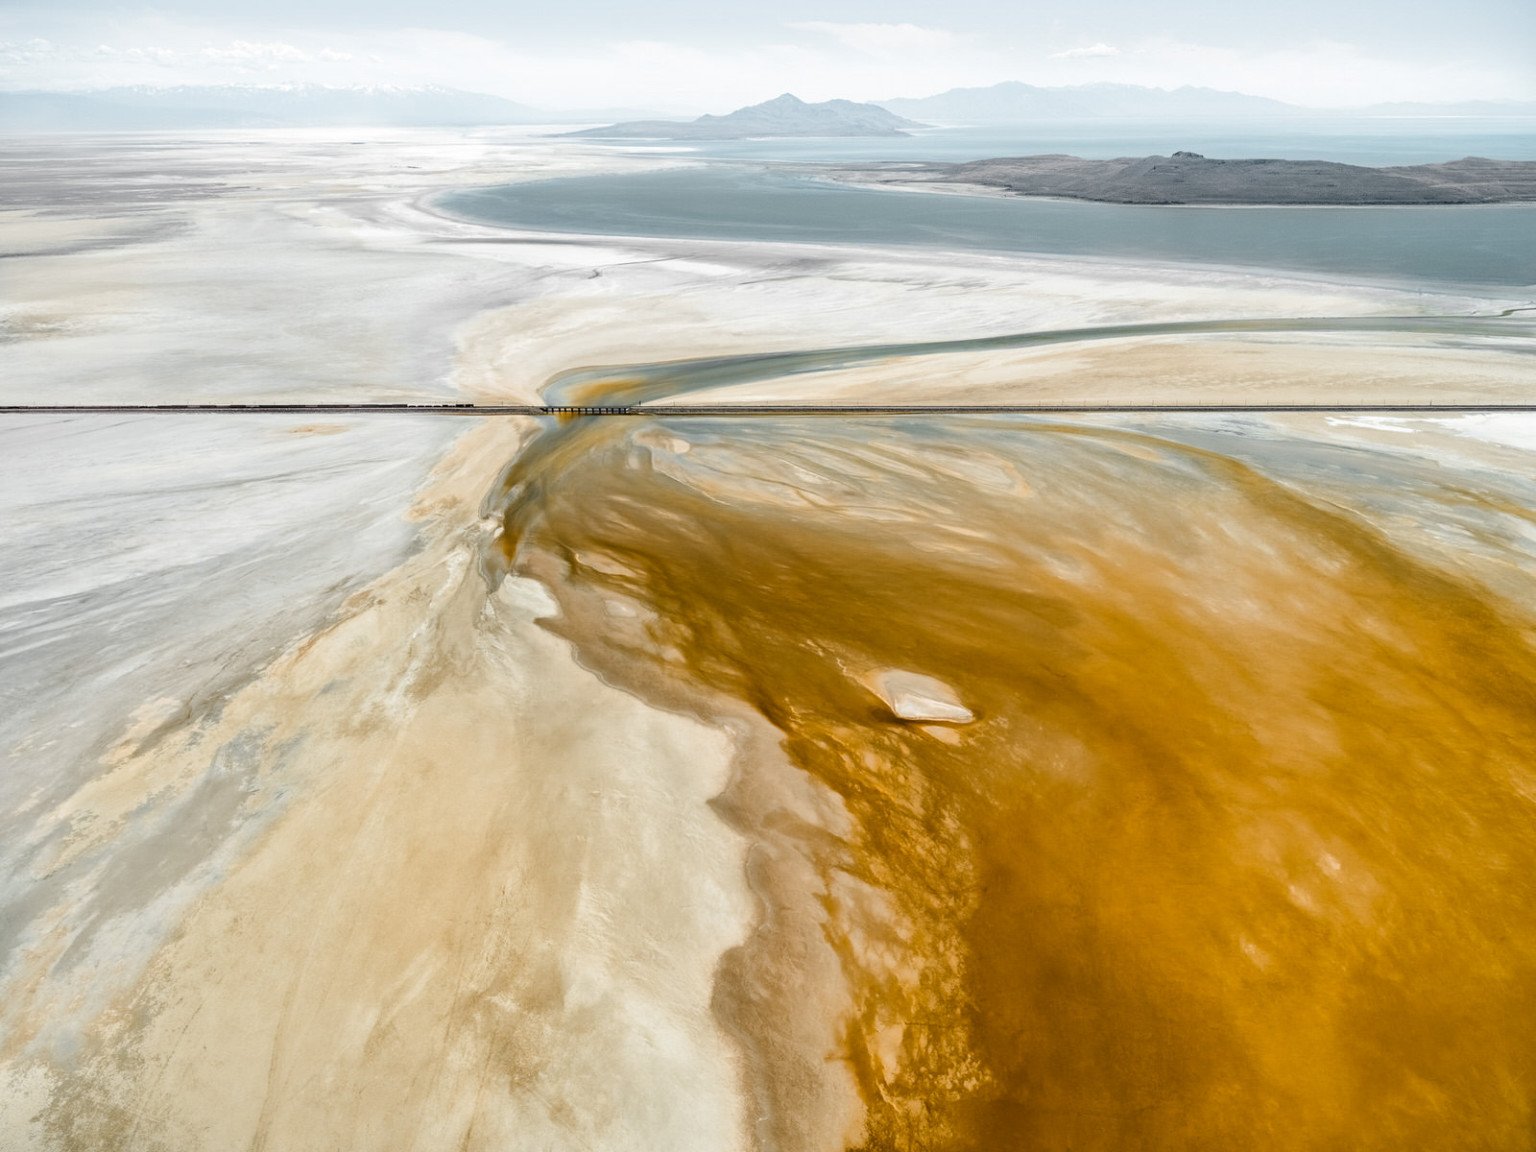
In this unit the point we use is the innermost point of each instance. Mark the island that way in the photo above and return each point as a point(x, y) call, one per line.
point(1190, 178)
point(785, 115)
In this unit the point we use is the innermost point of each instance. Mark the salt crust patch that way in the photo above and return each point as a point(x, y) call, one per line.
point(1510, 429)
point(913, 696)
point(1374, 423)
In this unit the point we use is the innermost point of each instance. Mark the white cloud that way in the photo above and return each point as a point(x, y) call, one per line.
point(160, 51)
point(882, 40)
point(1320, 73)
point(1092, 50)
point(40, 57)
point(26, 51)
point(254, 55)
point(155, 55)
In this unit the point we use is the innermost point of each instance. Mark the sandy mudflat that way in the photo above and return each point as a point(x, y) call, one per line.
point(1221, 369)
point(399, 784)
point(453, 841)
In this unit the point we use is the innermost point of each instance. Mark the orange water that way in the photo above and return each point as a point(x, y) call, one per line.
point(1239, 852)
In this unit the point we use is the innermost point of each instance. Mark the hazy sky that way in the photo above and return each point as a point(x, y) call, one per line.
point(688, 55)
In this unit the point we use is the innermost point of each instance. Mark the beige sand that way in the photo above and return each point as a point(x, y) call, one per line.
point(491, 913)
point(1187, 370)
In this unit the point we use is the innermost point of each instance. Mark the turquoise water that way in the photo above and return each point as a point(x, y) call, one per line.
point(1376, 141)
point(1492, 246)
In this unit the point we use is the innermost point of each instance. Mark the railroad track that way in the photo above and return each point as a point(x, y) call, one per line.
point(719, 410)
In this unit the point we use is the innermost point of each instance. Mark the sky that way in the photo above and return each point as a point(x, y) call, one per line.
point(701, 55)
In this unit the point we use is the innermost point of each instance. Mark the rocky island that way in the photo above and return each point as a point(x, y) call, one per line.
point(1190, 178)
point(785, 115)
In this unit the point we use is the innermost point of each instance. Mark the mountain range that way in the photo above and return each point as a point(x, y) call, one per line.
point(243, 106)
point(148, 109)
point(785, 115)
point(1013, 101)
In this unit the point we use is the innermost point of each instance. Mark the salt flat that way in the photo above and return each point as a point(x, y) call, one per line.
point(383, 782)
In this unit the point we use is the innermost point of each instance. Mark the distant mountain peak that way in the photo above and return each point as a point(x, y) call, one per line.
point(1014, 100)
point(783, 116)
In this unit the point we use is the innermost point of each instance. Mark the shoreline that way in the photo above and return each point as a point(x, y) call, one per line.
point(990, 191)
point(1173, 268)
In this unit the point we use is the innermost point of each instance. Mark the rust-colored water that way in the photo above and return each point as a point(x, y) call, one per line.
point(1239, 851)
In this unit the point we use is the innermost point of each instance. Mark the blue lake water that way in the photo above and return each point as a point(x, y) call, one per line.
point(1493, 246)
point(1376, 141)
